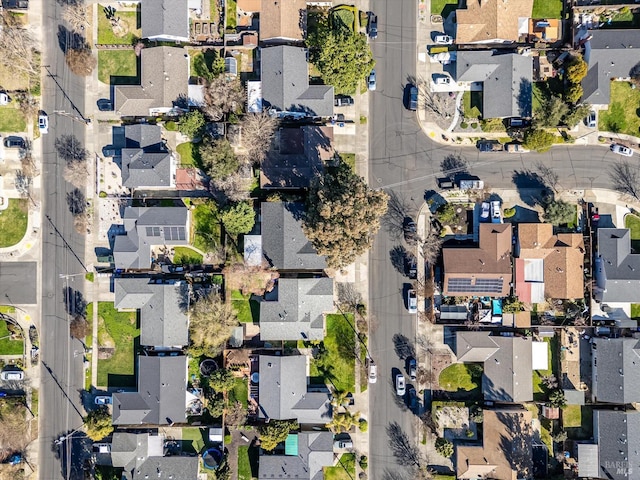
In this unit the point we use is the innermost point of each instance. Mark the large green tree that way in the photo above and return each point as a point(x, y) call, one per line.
point(559, 212)
point(274, 432)
point(238, 218)
point(98, 424)
point(192, 124)
point(218, 158)
point(538, 139)
point(343, 215)
point(344, 60)
point(551, 112)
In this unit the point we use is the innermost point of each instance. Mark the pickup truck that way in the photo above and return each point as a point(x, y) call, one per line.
point(490, 146)
point(515, 148)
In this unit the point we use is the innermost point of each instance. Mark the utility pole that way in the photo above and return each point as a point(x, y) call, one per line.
point(55, 79)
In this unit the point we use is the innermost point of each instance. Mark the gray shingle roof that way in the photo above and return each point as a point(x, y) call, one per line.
point(283, 391)
point(508, 368)
point(499, 74)
point(284, 244)
point(618, 437)
point(617, 269)
point(285, 83)
point(616, 370)
point(143, 135)
point(161, 395)
point(165, 19)
point(610, 53)
point(141, 169)
point(131, 450)
point(164, 74)
point(163, 320)
point(315, 450)
point(145, 227)
point(298, 312)
point(174, 467)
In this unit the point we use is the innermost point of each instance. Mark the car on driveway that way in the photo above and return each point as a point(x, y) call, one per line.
point(443, 39)
point(372, 25)
point(12, 375)
point(343, 101)
point(441, 79)
point(412, 301)
point(413, 399)
point(345, 443)
point(371, 81)
point(401, 387)
point(105, 105)
point(592, 120)
point(486, 211)
point(495, 212)
point(14, 142)
point(103, 400)
point(373, 372)
point(43, 123)
point(621, 150)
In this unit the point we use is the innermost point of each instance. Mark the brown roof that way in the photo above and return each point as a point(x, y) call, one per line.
point(285, 20)
point(485, 20)
point(249, 6)
point(490, 260)
point(506, 451)
point(548, 33)
point(563, 256)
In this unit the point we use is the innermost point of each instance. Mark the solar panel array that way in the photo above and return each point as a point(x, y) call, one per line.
point(174, 233)
point(153, 231)
point(459, 285)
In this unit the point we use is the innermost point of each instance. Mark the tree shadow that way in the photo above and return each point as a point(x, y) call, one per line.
point(398, 210)
point(530, 186)
point(454, 166)
point(517, 444)
point(403, 347)
point(398, 256)
point(69, 40)
point(402, 448)
point(74, 302)
point(525, 91)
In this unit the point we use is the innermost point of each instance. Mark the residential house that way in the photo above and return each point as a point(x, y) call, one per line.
point(484, 270)
point(249, 6)
point(304, 456)
point(615, 364)
point(163, 318)
point(507, 364)
point(492, 21)
point(617, 269)
point(284, 244)
point(161, 398)
point(285, 81)
point(499, 74)
point(610, 54)
point(614, 457)
point(298, 157)
point(146, 162)
point(547, 30)
point(15, 4)
point(284, 394)
point(283, 22)
point(165, 20)
point(141, 456)
point(146, 227)
point(295, 309)
point(548, 265)
point(506, 452)
point(164, 74)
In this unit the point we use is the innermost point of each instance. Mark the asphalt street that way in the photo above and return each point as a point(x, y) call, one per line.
point(62, 378)
point(404, 161)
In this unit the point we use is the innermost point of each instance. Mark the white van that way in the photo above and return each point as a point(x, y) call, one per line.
point(12, 375)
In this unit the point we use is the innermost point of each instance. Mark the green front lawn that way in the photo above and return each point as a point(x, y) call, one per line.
point(189, 155)
point(118, 334)
point(345, 469)
point(571, 416)
point(472, 104)
point(547, 9)
point(206, 225)
point(13, 222)
point(129, 23)
point(12, 119)
point(8, 346)
point(239, 392)
point(632, 222)
point(622, 114)
point(247, 462)
point(194, 439)
point(118, 67)
point(460, 376)
point(338, 366)
point(231, 14)
point(443, 7)
point(186, 256)
point(247, 310)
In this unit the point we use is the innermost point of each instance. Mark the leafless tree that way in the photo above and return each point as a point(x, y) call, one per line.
point(75, 14)
point(548, 176)
point(258, 130)
point(423, 342)
point(236, 415)
point(79, 327)
point(81, 61)
point(348, 296)
point(76, 173)
point(222, 96)
point(234, 187)
point(435, 102)
point(23, 183)
point(452, 165)
point(405, 452)
point(17, 52)
point(431, 246)
point(429, 422)
point(29, 104)
point(625, 178)
point(81, 222)
point(28, 165)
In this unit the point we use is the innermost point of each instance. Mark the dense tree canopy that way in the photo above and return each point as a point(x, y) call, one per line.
point(276, 431)
point(218, 159)
point(210, 323)
point(98, 424)
point(238, 218)
point(192, 124)
point(538, 139)
point(343, 214)
point(560, 213)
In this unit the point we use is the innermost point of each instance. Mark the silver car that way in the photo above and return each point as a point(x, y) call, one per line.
point(621, 150)
point(371, 81)
point(401, 387)
point(443, 40)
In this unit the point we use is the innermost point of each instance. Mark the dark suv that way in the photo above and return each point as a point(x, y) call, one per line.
point(343, 101)
point(14, 142)
point(372, 26)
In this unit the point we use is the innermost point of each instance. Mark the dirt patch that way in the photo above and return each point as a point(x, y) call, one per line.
point(12, 80)
point(105, 353)
point(104, 339)
point(439, 361)
point(254, 280)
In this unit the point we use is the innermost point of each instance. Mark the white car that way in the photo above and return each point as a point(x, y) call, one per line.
point(443, 40)
point(412, 301)
point(401, 387)
point(621, 150)
point(43, 123)
point(4, 98)
point(486, 211)
point(371, 81)
point(591, 120)
point(103, 400)
point(442, 80)
point(12, 375)
point(373, 372)
point(343, 444)
point(495, 211)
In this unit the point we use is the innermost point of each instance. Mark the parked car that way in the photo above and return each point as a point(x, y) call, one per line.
point(343, 101)
point(515, 148)
point(591, 121)
point(486, 211)
point(443, 39)
point(43, 123)
point(373, 372)
point(105, 105)
point(413, 366)
point(372, 25)
point(110, 151)
point(410, 230)
point(621, 150)
point(401, 387)
point(14, 142)
point(4, 98)
point(495, 212)
point(343, 444)
point(413, 399)
point(489, 146)
point(412, 301)
point(413, 98)
point(412, 267)
point(103, 400)
point(371, 81)
point(518, 122)
point(445, 183)
point(441, 80)
point(12, 375)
